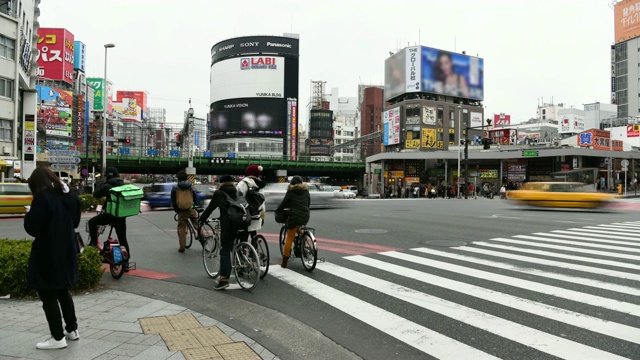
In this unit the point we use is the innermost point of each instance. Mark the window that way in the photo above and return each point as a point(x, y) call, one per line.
point(6, 130)
point(7, 47)
point(6, 88)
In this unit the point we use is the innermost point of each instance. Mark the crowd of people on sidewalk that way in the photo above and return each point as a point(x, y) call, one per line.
point(430, 191)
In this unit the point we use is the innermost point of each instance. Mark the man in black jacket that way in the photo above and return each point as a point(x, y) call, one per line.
point(298, 201)
point(229, 232)
point(120, 224)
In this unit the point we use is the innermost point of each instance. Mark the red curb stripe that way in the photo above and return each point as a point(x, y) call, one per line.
point(156, 275)
point(342, 246)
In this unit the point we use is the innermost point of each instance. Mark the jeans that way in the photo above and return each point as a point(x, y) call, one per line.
point(50, 300)
point(225, 255)
point(120, 224)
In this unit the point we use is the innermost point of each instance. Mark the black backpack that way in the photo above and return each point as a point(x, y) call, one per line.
point(238, 212)
point(255, 199)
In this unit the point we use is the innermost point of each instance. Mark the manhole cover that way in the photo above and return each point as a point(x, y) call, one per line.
point(445, 243)
point(371, 231)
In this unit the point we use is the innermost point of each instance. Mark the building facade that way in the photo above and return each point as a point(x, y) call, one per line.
point(371, 107)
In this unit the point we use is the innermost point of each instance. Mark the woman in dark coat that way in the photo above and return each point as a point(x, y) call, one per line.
point(298, 201)
point(53, 263)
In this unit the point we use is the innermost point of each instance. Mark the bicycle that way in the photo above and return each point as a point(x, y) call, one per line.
point(191, 230)
point(244, 257)
point(262, 248)
point(304, 246)
point(116, 268)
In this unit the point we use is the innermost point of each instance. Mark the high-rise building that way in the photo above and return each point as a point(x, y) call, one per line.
point(371, 107)
point(625, 54)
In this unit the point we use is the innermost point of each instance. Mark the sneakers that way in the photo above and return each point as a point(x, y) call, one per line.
point(222, 284)
point(181, 250)
point(72, 335)
point(285, 261)
point(51, 344)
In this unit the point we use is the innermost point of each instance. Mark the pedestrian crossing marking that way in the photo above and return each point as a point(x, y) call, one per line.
point(584, 238)
point(597, 230)
point(568, 248)
point(579, 243)
point(619, 227)
point(587, 233)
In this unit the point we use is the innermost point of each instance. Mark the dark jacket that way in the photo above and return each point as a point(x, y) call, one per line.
point(103, 190)
point(219, 201)
point(185, 185)
point(53, 263)
point(297, 200)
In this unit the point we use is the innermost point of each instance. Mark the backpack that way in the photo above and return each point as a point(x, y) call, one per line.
point(238, 212)
point(255, 199)
point(184, 198)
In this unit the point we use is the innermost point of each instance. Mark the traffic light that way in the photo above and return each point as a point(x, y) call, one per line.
point(127, 140)
point(486, 143)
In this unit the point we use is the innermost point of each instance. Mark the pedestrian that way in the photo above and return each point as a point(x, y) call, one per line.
point(403, 192)
point(228, 231)
point(253, 181)
point(485, 190)
point(53, 263)
point(183, 197)
point(298, 201)
point(503, 192)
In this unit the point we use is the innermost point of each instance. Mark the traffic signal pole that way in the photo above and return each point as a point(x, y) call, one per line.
point(466, 156)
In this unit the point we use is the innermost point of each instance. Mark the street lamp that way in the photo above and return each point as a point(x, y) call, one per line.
point(610, 168)
point(104, 113)
point(459, 142)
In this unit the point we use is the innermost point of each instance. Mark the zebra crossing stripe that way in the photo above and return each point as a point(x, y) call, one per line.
point(579, 243)
point(620, 331)
point(551, 275)
point(561, 256)
point(585, 237)
point(567, 248)
point(630, 224)
point(598, 230)
point(572, 295)
point(415, 335)
point(559, 264)
point(539, 340)
point(588, 233)
point(620, 227)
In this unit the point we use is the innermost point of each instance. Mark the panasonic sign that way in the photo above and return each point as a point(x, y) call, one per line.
point(255, 46)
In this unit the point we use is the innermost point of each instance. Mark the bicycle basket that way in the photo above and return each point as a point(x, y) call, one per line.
point(100, 228)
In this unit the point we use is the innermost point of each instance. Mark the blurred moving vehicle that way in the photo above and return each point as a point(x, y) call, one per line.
point(560, 195)
point(274, 193)
point(14, 197)
point(160, 195)
point(344, 194)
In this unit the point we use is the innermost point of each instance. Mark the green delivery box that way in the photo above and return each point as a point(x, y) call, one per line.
point(125, 201)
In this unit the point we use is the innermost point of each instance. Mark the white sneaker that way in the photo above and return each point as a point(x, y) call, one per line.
point(74, 335)
point(52, 343)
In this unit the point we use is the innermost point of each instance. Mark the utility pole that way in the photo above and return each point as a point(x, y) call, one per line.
point(191, 171)
point(466, 153)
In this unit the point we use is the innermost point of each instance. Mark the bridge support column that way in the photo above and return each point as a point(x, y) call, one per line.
point(191, 174)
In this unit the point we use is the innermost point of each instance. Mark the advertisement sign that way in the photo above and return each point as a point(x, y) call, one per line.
point(79, 56)
point(255, 45)
point(429, 138)
point(626, 20)
point(453, 74)
point(428, 115)
point(392, 119)
point(247, 77)
point(413, 73)
point(501, 119)
point(97, 84)
point(288, 126)
point(129, 109)
point(395, 75)
point(54, 111)
point(319, 146)
point(140, 98)
point(504, 136)
point(516, 170)
point(80, 122)
point(633, 131)
point(475, 119)
point(599, 140)
point(261, 117)
point(294, 129)
point(570, 124)
point(29, 137)
point(55, 54)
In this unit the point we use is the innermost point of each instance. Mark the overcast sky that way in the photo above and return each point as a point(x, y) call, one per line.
point(533, 50)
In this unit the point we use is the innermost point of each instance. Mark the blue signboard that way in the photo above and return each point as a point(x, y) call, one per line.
point(125, 151)
point(152, 152)
point(174, 153)
point(206, 154)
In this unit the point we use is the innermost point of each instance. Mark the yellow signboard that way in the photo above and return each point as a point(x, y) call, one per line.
point(412, 144)
point(29, 125)
point(440, 144)
point(428, 138)
point(452, 131)
point(488, 174)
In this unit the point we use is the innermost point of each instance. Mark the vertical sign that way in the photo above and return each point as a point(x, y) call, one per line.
point(55, 54)
point(613, 74)
point(289, 106)
point(413, 69)
point(28, 145)
point(98, 92)
point(294, 129)
point(79, 55)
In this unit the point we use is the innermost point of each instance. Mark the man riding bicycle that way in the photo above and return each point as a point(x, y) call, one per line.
point(183, 197)
point(120, 224)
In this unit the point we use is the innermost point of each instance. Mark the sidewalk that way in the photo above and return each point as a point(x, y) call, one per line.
point(116, 325)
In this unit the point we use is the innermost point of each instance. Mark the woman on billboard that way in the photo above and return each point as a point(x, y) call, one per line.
point(450, 82)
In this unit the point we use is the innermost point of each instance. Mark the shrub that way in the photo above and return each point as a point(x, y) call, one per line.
point(14, 257)
point(87, 201)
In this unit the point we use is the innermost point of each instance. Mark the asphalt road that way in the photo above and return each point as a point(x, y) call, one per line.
point(422, 279)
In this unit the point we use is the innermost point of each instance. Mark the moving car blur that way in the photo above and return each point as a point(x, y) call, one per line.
point(322, 196)
point(560, 195)
point(159, 195)
point(14, 197)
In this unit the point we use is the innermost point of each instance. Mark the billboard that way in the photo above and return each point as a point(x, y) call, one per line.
point(319, 146)
point(249, 116)
point(246, 77)
point(129, 109)
point(428, 138)
point(475, 119)
point(570, 123)
point(97, 84)
point(140, 98)
point(54, 111)
point(633, 131)
point(395, 75)
point(599, 140)
point(79, 56)
point(55, 54)
point(280, 45)
point(626, 20)
point(294, 130)
point(391, 121)
point(501, 119)
point(504, 136)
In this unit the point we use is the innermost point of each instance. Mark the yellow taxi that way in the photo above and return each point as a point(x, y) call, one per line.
point(560, 195)
point(14, 197)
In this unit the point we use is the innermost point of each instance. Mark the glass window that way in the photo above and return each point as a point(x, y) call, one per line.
point(6, 88)
point(7, 47)
point(6, 130)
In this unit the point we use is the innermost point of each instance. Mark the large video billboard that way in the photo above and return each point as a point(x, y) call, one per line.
point(249, 116)
point(626, 20)
point(246, 77)
point(279, 45)
point(437, 72)
point(55, 54)
point(54, 111)
point(129, 109)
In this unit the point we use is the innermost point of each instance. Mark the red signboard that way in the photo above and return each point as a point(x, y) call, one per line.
point(139, 96)
point(633, 131)
point(55, 54)
point(504, 136)
point(599, 140)
point(501, 119)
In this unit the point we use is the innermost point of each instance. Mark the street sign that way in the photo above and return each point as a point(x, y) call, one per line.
point(125, 151)
point(206, 154)
point(174, 153)
point(152, 152)
point(72, 153)
point(529, 152)
point(220, 160)
point(64, 159)
point(624, 168)
point(64, 167)
point(624, 163)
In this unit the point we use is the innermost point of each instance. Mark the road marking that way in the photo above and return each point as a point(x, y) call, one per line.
point(410, 333)
point(579, 243)
point(578, 231)
point(623, 228)
point(551, 275)
point(567, 248)
point(556, 234)
point(556, 291)
point(596, 229)
point(478, 319)
point(149, 274)
point(342, 246)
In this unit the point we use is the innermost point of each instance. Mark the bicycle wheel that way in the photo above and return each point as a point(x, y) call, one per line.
point(308, 252)
point(191, 233)
point(206, 230)
point(247, 267)
point(262, 248)
point(211, 254)
point(117, 270)
point(282, 238)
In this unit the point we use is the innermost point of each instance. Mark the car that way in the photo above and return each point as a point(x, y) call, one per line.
point(274, 193)
point(160, 195)
point(14, 197)
point(560, 195)
point(344, 194)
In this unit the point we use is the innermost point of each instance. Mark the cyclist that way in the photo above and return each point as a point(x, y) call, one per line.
point(182, 200)
point(297, 200)
point(252, 180)
point(228, 231)
point(120, 224)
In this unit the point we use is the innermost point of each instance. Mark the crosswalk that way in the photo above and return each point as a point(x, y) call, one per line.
point(568, 294)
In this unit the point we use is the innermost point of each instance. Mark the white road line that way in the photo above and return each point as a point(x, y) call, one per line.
point(609, 328)
point(587, 232)
point(623, 228)
point(609, 231)
point(572, 295)
point(552, 239)
point(567, 248)
point(533, 338)
point(631, 224)
point(551, 275)
point(547, 262)
point(412, 334)
point(592, 239)
point(562, 256)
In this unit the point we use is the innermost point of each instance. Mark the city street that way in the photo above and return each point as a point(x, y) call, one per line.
point(420, 279)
